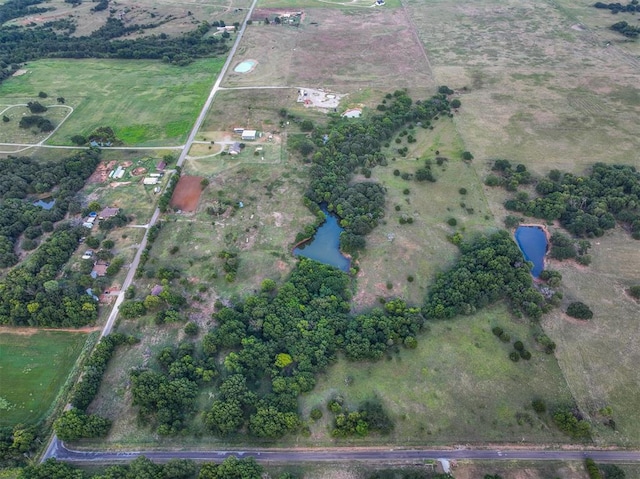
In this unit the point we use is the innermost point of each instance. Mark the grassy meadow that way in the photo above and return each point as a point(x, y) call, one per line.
point(457, 385)
point(147, 103)
point(396, 251)
point(33, 368)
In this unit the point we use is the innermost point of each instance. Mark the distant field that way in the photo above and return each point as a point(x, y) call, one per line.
point(551, 96)
point(170, 17)
point(335, 49)
point(145, 102)
point(33, 368)
point(353, 5)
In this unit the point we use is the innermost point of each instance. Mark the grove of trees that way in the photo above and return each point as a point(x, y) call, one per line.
point(265, 351)
point(586, 206)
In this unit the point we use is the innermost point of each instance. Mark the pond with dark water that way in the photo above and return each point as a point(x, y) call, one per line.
point(533, 243)
point(325, 245)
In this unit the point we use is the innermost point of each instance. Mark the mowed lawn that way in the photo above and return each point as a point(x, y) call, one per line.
point(33, 368)
point(146, 102)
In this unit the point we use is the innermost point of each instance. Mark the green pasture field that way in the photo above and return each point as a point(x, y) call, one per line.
point(336, 50)
point(33, 368)
point(145, 102)
point(459, 385)
point(395, 251)
point(599, 357)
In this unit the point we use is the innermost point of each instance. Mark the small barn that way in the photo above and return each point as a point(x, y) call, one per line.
point(249, 135)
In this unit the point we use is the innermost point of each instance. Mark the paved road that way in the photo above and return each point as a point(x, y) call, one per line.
point(214, 90)
point(351, 454)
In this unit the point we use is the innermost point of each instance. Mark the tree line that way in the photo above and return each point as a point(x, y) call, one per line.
point(345, 146)
point(141, 467)
point(56, 40)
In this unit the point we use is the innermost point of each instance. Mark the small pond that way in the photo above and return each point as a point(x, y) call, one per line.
point(245, 66)
point(325, 245)
point(46, 203)
point(532, 241)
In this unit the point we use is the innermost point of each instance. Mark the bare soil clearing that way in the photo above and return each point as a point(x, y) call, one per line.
point(187, 193)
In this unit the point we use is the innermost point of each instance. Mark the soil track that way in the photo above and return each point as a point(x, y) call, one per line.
point(187, 193)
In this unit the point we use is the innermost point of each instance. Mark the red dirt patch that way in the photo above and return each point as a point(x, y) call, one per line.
point(126, 164)
point(138, 171)
point(187, 193)
point(102, 172)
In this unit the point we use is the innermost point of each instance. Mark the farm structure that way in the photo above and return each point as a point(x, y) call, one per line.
point(249, 135)
point(108, 212)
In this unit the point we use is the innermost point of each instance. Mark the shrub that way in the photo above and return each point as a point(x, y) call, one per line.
point(579, 310)
point(462, 191)
point(467, 156)
point(634, 291)
point(316, 413)
point(452, 222)
point(505, 337)
point(497, 330)
point(539, 406)
point(191, 328)
point(406, 191)
point(410, 278)
point(526, 355)
point(518, 346)
point(514, 356)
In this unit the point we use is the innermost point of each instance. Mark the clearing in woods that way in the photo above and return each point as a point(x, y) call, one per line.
point(33, 368)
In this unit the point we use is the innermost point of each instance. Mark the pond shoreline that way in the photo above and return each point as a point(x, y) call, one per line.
point(547, 234)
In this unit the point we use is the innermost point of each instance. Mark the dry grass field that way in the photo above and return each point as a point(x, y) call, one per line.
point(339, 50)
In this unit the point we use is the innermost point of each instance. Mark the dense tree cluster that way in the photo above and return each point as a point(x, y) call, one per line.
point(579, 310)
point(370, 417)
point(586, 205)
point(87, 388)
point(16, 444)
point(268, 349)
point(21, 177)
point(617, 7)
point(490, 268)
point(75, 424)
point(570, 421)
point(626, 29)
point(143, 468)
point(40, 122)
point(345, 146)
point(56, 40)
point(32, 294)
